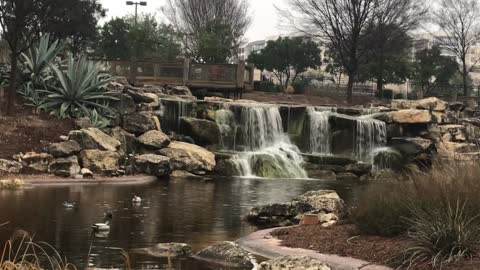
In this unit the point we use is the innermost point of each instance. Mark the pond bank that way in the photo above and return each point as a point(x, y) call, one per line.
point(52, 180)
point(262, 243)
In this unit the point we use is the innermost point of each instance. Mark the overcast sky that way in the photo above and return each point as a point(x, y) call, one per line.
point(265, 17)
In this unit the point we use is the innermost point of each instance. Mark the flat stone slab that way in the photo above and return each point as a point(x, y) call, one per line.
point(263, 244)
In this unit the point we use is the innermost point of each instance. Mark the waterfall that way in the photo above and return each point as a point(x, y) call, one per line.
point(172, 111)
point(266, 150)
point(369, 135)
point(319, 131)
point(225, 120)
point(386, 158)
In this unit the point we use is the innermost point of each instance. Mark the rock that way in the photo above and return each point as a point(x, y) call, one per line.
point(347, 176)
point(413, 146)
point(322, 174)
point(151, 164)
point(154, 139)
point(412, 117)
point(294, 263)
point(333, 168)
point(183, 175)
point(270, 166)
point(431, 104)
point(327, 220)
point(227, 254)
point(64, 149)
point(202, 131)
point(124, 104)
point(105, 162)
point(86, 173)
point(226, 167)
point(83, 122)
point(11, 184)
point(189, 157)
point(181, 138)
point(457, 106)
point(359, 169)
point(65, 167)
point(167, 250)
point(325, 201)
point(179, 90)
point(127, 140)
point(93, 138)
point(140, 97)
point(328, 160)
point(139, 123)
point(9, 166)
point(37, 162)
point(388, 158)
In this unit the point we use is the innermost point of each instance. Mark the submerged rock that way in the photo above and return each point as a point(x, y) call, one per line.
point(226, 254)
point(294, 263)
point(167, 250)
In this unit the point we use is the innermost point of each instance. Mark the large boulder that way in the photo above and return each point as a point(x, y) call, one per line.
point(139, 123)
point(151, 164)
point(154, 139)
point(412, 116)
point(412, 146)
point(321, 201)
point(294, 262)
point(202, 131)
point(431, 104)
point(123, 104)
point(359, 169)
point(127, 140)
point(64, 149)
point(179, 90)
point(189, 157)
point(10, 166)
point(65, 167)
point(94, 138)
point(227, 254)
point(167, 250)
point(105, 162)
point(37, 162)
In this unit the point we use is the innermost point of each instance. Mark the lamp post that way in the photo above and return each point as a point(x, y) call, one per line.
point(133, 67)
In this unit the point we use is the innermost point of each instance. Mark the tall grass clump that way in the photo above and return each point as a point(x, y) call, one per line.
point(22, 253)
point(437, 213)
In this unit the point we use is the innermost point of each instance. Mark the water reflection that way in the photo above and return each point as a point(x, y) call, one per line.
point(193, 212)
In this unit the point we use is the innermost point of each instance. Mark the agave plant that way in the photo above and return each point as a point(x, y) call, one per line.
point(38, 59)
point(79, 90)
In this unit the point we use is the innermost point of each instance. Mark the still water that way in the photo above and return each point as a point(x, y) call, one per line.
point(187, 211)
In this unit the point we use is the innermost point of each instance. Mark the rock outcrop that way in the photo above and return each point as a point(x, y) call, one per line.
point(36, 162)
point(10, 166)
point(227, 254)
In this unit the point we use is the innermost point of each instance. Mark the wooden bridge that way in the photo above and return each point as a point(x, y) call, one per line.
point(226, 78)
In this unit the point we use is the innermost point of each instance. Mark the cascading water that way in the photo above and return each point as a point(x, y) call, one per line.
point(266, 149)
point(172, 111)
point(369, 135)
point(225, 120)
point(319, 131)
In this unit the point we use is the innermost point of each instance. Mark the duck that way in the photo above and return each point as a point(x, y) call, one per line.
point(108, 214)
point(69, 205)
point(101, 227)
point(136, 199)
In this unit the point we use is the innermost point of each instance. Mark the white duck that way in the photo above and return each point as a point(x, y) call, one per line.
point(136, 199)
point(68, 205)
point(101, 227)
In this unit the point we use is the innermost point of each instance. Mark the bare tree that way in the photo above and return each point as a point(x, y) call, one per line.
point(340, 24)
point(212, 30)
point(388, 33)
point(459, 21)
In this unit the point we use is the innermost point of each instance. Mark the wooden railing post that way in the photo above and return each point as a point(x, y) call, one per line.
point(186, 70)
point(156, 71)
point(251, 74)
point(241, 74)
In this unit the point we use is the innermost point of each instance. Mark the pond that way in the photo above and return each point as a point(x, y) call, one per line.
point(193, 212)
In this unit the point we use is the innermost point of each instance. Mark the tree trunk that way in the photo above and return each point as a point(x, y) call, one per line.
point(350, 89)
point(12, 88)
point(380, 86)
point(465, 78)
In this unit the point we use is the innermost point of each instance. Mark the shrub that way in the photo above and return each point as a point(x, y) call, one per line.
point(78, 90)
point(268, 86)
point(300, 85)
point(437, 211)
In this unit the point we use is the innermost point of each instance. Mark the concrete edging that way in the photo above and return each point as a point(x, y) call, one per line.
point(262, 243)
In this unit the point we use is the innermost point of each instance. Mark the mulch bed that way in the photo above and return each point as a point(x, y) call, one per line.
point(344, 240)
point(26, 132)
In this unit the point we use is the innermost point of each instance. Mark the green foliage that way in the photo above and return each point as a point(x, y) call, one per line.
point(78, 91)
point(122, 38)
point(398, 96)
point(268, 86)
point(286, 54)
point(386, 94)
point(432, 69)
point(97, 119)
point(214, 44)
point(440, 235)
point(38, 59)
point(300, 85)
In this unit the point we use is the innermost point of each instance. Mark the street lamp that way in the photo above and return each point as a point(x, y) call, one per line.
point(133, 73)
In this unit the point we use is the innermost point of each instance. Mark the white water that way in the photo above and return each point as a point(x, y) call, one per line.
point(320, 133)
point(369, 135)
point(265, 144)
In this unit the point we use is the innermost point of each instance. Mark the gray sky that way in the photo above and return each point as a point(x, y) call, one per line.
point(265, 17)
